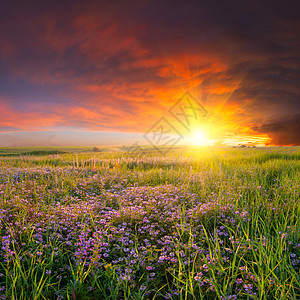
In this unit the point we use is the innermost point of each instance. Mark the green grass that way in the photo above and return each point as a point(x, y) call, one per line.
point(199, 223)
point(11, 151)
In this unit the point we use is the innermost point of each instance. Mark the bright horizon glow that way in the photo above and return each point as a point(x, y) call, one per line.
point(199, 137)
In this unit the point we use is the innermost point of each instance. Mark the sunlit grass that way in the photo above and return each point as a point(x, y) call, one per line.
point(199, 223)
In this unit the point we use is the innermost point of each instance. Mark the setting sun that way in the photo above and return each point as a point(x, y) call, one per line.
point(200, 138)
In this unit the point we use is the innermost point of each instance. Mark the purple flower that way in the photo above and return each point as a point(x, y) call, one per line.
point(248, 288)
point(198, 276)
point(142, 287)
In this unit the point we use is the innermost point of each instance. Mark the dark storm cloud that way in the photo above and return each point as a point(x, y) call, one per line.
point(273, 90)
point(114, 59)
point(285, 131)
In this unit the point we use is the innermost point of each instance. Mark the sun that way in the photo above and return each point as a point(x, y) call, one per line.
point(199, 138)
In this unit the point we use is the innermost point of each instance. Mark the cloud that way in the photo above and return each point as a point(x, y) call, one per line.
point(282, 132)
point(117, 66)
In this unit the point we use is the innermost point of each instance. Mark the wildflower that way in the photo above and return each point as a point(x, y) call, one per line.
point(142, 287)
point(248, 288)
point(198, 276)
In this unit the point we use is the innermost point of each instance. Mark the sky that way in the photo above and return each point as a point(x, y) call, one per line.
point(109, 72)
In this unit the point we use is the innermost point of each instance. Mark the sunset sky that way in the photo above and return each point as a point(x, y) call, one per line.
point(104, 72)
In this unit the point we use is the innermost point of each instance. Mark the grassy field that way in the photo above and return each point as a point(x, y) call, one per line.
point(15, 151)
point(207, 223)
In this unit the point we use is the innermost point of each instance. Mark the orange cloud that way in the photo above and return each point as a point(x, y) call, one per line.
point(120, 68)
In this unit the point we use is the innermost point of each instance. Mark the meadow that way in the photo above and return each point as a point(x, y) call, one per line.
point(207, 223)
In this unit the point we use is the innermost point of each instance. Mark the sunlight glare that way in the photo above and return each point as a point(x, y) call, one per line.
point(199, 138)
